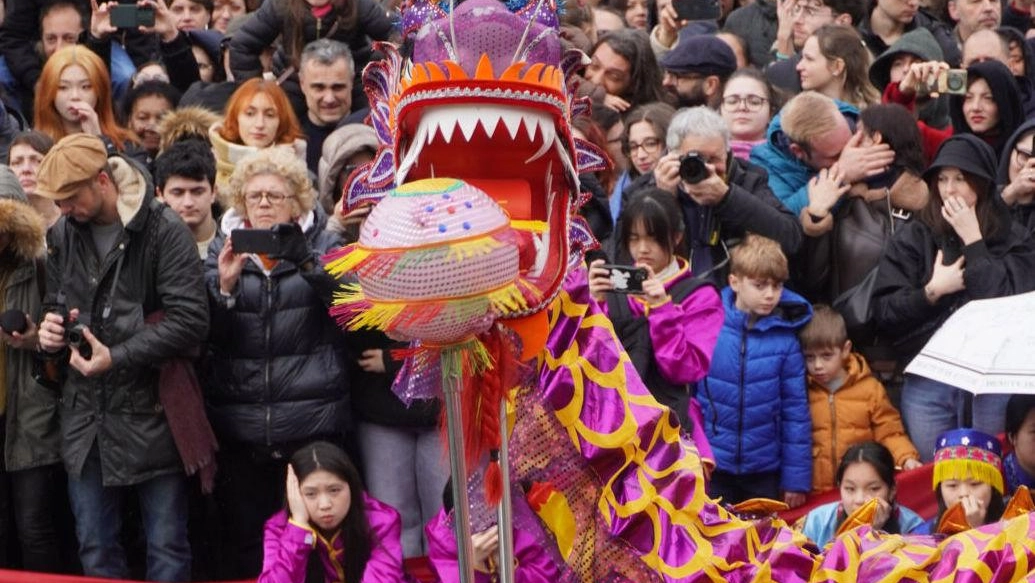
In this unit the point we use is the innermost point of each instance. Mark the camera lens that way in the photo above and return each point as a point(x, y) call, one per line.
point(692, 168)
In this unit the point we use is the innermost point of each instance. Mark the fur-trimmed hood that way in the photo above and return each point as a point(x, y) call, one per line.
point(26, 228)
point(186, 122)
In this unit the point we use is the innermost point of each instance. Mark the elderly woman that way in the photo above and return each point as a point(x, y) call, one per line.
point(276, 373)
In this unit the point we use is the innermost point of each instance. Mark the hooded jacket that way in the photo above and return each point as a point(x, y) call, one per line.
point(1000, 264)
point(859, 410)
point(756, 414)
point(1007, 95)
point(268, 384)
point(921, 43)
point(343, 143)
point(1022, 213)
point(788, 176)
point(153, 265)
point(33, 437)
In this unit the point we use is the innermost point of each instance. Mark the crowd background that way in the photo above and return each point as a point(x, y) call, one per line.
point(812, 188)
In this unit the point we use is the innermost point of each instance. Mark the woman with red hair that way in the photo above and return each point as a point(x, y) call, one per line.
point(74, 96)
point(258, 116)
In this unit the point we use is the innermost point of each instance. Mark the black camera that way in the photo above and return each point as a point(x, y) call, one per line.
point(76, 339)
point(692, 168)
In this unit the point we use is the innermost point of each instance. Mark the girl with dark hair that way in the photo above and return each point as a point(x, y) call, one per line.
point(1019, 464)
point(963, 246)
point(643, 144)
point(866, 472)
point(968, 473)
point(991, 107)
point(671, 327)
point(355, 536)
point(748, 104)
point(143, 108)
point(625, 66)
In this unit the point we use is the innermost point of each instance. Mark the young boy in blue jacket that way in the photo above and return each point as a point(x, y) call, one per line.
point(756, 411)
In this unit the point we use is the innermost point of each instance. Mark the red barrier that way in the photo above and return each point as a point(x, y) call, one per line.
point(914, 492)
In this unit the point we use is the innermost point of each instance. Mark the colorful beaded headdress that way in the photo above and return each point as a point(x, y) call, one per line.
point(968, 453)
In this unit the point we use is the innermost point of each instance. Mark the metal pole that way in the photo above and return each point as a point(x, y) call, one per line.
point(451, 387)
point(505, 523)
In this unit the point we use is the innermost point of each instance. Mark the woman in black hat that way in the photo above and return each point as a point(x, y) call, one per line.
point(963, 247)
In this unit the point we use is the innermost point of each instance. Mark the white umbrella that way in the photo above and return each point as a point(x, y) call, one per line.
point(987, 346)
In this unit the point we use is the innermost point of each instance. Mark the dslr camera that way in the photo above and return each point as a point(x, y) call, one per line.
point(74, 336)
point(692, 168)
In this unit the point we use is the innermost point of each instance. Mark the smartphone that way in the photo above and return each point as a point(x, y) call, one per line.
point(259, 241)
point(131, 16)
point(697, 9)
point(626, 279)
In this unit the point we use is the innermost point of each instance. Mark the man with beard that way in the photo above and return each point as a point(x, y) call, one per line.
point(696, 70)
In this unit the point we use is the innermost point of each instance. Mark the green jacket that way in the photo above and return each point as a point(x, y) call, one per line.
point(33, 434)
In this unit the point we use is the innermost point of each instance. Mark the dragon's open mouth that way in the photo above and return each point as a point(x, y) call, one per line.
point(516, 156)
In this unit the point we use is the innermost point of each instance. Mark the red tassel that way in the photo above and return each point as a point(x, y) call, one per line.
point(494, 479)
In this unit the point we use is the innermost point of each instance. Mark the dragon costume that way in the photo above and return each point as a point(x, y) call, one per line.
point(474, 252)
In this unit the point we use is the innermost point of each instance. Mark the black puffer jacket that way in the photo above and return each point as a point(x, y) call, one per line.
point(277, 369)
point(267, 23)
point(120, 409)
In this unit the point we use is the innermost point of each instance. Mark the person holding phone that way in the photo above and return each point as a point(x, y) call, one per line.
point(670, 327)
point(963, 246)
point(276, 376)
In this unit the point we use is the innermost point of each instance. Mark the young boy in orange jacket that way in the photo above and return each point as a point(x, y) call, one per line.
point(848, 404)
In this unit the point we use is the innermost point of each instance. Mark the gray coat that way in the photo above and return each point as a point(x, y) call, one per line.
point(120, 409)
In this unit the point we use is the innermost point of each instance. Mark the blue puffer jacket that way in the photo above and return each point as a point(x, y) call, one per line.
point(788, 176)
point(756, 412)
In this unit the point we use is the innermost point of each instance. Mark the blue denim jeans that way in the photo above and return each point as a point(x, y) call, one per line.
point(406, 468)
point(98, 523)
point(931, 407)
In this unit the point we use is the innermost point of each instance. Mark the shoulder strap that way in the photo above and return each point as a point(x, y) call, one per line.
point(41, 277)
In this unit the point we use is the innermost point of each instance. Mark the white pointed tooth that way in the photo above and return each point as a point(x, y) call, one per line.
point(490, 118)
point(548, 134)
point(439, 121)
point(467, 122)
point(562, 153)
point(529, 120)
point(411, 156)
point(512, 119)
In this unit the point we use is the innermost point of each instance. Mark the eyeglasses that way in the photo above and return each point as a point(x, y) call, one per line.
point(1022, 156)
point(752, 102)
point(650, 146)
point(273, 197)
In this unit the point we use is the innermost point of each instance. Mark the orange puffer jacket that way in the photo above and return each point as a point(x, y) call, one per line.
point(859, 411)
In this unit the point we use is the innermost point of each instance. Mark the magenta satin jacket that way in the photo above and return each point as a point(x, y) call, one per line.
point(287, 547)
point(533, 564)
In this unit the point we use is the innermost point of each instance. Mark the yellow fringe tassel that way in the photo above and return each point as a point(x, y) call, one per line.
point(508, 299)
point(348, 262)
point(963, 469)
